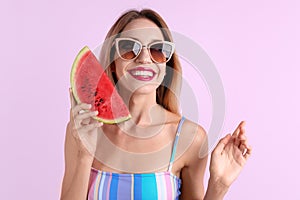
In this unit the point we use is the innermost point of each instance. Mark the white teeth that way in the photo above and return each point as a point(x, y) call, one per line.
point(142, 73)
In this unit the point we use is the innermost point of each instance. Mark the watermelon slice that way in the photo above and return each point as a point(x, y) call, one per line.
point(90, 84)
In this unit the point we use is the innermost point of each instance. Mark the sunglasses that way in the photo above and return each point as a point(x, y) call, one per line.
point(159, 51)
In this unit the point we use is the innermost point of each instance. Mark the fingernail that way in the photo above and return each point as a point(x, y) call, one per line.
point(96, 112)
point(89, 105)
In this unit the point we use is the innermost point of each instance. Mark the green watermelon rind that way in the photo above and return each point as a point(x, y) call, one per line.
point(77, 60)
point(115, 121)
point(82, 52)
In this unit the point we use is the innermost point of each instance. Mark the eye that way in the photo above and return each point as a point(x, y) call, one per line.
point(163, 48)
point(157, 52)
point(161, 51)
point(126, 44)
point(157, 47)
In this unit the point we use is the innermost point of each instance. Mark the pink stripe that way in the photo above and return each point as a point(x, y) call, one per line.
point(168, 186)
point(91, 188)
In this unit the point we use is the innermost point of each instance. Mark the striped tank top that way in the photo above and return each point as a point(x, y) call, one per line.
point(152, 186)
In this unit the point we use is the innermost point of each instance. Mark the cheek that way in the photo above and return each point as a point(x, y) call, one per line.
point(162, 70)
point(119, 68)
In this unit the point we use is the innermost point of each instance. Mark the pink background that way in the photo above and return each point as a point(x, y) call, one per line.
point(255, 46)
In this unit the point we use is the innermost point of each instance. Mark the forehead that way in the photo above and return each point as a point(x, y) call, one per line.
point(143, 30)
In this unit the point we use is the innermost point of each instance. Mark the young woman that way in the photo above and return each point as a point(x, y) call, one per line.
point(157, 154)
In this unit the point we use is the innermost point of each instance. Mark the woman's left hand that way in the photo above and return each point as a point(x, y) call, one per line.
point(229, 157)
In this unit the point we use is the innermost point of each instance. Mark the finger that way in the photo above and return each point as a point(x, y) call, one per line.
point(222, 143)
point(248, 153)
point(241, 139)
point(242, 136)
point(86, 115)
point(249, 150)
point(242, 133)
point(236, 141)
point(245, 143)
point(238, 129)
point(243, 149)
point(82, 106)
point(72, 99)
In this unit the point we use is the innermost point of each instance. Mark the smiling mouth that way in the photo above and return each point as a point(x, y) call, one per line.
point(142, 74)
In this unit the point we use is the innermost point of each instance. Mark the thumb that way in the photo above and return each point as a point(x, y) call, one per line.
point(222, 143)
point(72, 99)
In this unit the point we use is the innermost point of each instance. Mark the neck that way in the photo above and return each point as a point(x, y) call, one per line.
point(148, 117)
point(143, 107)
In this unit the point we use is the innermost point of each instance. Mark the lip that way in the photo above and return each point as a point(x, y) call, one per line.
point(132, 72)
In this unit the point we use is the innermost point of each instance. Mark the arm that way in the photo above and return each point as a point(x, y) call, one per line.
point(77, 170)
point(192, 174)
point(80, 134)
point(227, 161)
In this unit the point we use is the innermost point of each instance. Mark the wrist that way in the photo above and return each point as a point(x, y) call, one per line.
point(216, 190)
point(218, 184)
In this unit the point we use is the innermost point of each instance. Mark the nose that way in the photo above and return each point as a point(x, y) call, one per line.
point(144, 57)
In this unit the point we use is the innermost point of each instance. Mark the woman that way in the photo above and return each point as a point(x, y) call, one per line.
point(143, 64)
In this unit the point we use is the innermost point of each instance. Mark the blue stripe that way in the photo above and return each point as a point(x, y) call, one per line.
point(114, 187)
point(124, 187)
point(149, 189)
point(106, 176)
point(137, 187)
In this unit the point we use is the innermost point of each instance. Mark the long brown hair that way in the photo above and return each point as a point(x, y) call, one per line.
point(167, 93)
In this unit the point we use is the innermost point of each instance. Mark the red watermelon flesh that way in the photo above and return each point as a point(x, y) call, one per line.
point(90, 84)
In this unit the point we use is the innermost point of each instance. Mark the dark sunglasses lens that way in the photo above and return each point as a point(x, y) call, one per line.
point(128, 49)
point(161, 52)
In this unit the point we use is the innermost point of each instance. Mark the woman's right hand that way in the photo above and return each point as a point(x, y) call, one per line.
point(80, 145)
point(83, 128)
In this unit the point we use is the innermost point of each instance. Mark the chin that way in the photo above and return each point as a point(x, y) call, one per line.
point(146, 89)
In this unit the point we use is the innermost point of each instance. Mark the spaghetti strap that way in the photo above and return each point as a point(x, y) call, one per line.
point(175, 143)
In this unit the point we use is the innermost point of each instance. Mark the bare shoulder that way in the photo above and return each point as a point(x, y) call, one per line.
point(192, 126)
point(193, 139)
point(197, 131)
